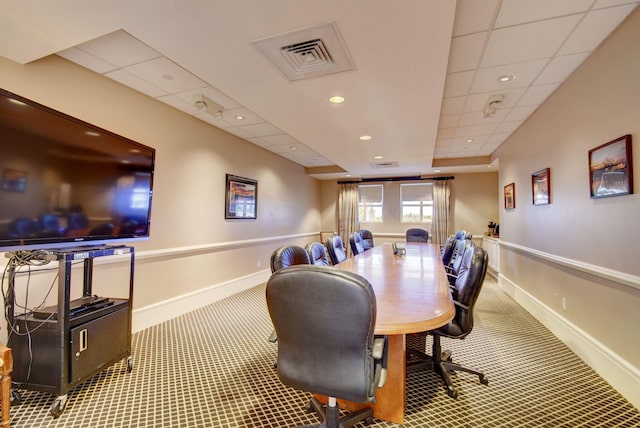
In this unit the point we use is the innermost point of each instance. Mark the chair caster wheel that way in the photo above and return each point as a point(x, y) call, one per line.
point(451, 392)
point(368, 421)
point(309, 408)
point(15, 397)
point(484, 380)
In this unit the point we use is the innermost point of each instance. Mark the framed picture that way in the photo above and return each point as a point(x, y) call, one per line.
point(610, 169)
point(14, 180)
point(541, 187)
point(241, 200)
point(510, 196)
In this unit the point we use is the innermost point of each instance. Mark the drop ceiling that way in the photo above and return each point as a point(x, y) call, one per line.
point(416, 75)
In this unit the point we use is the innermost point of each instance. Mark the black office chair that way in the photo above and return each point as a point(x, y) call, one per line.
point(355, 241)
point(417, 234)
point(455, 262)
point(325, 318)
point(447, 250)
point(466, 291)
point(336, 250)
point(288, 255)
point(283, 257)
point(367, 239)
point(317, 254)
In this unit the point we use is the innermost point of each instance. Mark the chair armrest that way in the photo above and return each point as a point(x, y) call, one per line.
point(380, 354)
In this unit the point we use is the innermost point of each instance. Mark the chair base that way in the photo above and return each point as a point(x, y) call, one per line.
point(441, 363)
point(330, 416)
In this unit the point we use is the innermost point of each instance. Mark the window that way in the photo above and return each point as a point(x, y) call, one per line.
point(417, 202)
point(370, 205)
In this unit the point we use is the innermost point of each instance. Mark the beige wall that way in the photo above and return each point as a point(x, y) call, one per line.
point(192, 158)
point(565, 249)
point(474, 201)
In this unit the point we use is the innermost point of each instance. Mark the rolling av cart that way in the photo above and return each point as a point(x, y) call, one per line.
point(58, 347)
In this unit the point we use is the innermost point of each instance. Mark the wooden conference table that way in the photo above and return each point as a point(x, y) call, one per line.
point(412, 295)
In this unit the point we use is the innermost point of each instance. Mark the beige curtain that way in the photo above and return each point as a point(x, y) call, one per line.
point(441, 211)
point(348, 222)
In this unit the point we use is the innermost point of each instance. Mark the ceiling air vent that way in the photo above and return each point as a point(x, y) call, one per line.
point(390, 164)
point(309, 52)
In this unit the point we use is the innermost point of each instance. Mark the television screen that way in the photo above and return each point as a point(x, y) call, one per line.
point(67, 183)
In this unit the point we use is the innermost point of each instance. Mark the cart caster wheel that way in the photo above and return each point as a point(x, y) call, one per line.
point(16, 397)
point(129, 364)
point(451, 392)
point(58, 406)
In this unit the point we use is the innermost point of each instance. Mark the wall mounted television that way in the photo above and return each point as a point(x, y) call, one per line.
point(67, 183)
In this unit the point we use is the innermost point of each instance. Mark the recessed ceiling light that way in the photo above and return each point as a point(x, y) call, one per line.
point(506, 78)
point(293, 148)
point(436, 170)
point(239, 117)
point(347, 175)
point(366, 137)
point(336, 99)
point(378, 157)
point(470, 140)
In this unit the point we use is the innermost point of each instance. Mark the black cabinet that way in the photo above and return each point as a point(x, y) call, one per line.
point(58, 347)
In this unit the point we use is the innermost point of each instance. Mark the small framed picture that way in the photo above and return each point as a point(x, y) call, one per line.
point(241, 200)
point(510, 196)
point(610, 168)
point(541, 187)
point(14, 180)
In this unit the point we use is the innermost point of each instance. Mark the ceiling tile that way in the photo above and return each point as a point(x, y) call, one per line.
point(84, 59)
point(513, 12)
point(508, 126)
point(136, 83)
point(560, 67)
point(465, 52)
point(166, 75)
point(458, 84)
point(261, 129)
point(537, 94)
point(446, 132)
point(498, 137)
point(449, 120)
point(486, 79)
point(279, 139)
point(607, 3)
point(453, 105)
point(211, 93)
point(520, 113)
point(478, 118)
point(595, 28)
point(470, 131)
point(473, 16)
point(120, 49)
point(528, 41)
point(248, 118)
point(240, 132)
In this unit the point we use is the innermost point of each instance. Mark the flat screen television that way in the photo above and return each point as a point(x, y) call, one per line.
point(67, 183)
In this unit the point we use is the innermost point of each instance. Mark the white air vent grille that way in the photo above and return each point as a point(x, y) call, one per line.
point(309, 52)
point(308, 56)
point(390, 164)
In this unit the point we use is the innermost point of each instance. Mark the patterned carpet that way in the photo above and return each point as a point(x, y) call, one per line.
point(214, 368)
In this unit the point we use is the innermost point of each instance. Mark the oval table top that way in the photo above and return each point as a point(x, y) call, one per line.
point(412, 290)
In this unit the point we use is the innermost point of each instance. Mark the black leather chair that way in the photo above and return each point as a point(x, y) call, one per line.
point(466, 291)
point(367, 239)
point(288, 255)
point(317, 254)
point(325, 319)
point(417, 234)
point(336, 250)
point(355, 241)
point(455, 262)
point(447, 250)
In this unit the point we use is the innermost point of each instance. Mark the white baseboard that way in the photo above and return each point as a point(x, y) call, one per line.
point(162, 311)
point(621, 375)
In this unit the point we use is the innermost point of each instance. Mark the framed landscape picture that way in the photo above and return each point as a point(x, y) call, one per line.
point(610, 168)
point(510, 196)
point(241, 200)
point(541, 187)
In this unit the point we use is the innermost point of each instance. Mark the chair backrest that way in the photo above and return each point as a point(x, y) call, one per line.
point(335, 247)
point(417, 234)
point(367, 239)
point(317, 254)
point(288, 255)
point(355, 240)
point(447, 250)
point(461, 246)
point(324, 319)
point(467, 287)
point(463, 234)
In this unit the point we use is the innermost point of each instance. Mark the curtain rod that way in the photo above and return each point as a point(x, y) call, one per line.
point(416, 178)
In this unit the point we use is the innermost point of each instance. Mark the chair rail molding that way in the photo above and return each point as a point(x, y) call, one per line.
point(623, 278)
